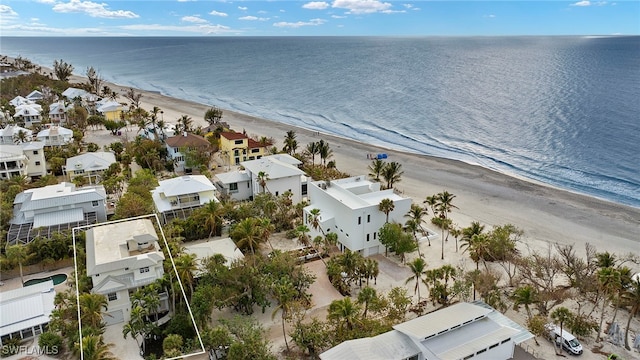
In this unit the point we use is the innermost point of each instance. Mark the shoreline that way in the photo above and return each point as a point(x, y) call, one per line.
point(547, 214)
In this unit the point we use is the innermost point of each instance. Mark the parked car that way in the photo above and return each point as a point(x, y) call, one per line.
point(564, 339)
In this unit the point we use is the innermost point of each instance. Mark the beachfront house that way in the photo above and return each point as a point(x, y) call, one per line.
point(24, 159)
point(179, 148)
point(280, 173)
point(25, 311)
point(28, 115)
point(19, 101)
point(14, 134)
point(55, 208)
point(178, 197)
point(237, 147)
point(75, 93)
point(58, 112)
point(89, 165)
point(236, 185)
point(349, 208)
point(110, 110)
point(35, 95)
point(54, 135)
point(123, 256)
point(460, 331)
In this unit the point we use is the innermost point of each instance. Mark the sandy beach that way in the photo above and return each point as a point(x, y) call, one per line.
point(547, 215)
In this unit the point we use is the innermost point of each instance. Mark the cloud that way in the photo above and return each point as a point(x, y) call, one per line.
point(362, 6)
point(93, 9)
point(491, 16)
point(217, 13)
point(194, 19)
point(7, 11)
point(316, 5)
point(582, 3)
point(338, 16)
point(312, 22)
point(243, 8)
point(253, 18)
point(47, 1)
point(203, 29)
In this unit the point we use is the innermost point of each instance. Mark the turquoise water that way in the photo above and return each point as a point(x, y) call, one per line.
point(57, 279)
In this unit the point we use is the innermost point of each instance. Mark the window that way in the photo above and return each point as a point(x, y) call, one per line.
point(37, 163)
point(94, 203)
point(112, 296)
point(359, 220)
point(238, 142)
point(233, 186)
point(35, 152)
point(255, 150)
point(236, 152)
point(144, 270)
point(369, 218)
point(374, 235)
point(367, 237)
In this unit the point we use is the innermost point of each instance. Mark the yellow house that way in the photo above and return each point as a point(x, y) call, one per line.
point(111, 110)
point(238, 147)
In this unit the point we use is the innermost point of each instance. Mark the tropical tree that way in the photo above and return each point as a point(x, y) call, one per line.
point(386, 206)
point(184, 124)
point(444, 206)
point(561, 315)
point(21, 137)
point(284, 292)
point(392, 173)
point(608, 279)
point(62, 70)
point(94, 348)
point(631, 298)
point(186, 266)
point(366, 296)
point(263, 177)
point(526, 296)
point(19, 254)
point(313, 149)
point(415, 215)
point(134, 97)
point(246, 234)
point(418, 267)
point(375, 169)
point(92, 305)
point(95, 80)
point(344, 312)
point(213, 115)
point(290, 142)
point(213, 212)
point(324, 151)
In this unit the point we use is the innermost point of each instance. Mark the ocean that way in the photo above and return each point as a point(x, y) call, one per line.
point(560, 110)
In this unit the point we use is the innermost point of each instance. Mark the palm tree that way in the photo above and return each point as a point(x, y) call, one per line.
point(303, 238)
point(324, 151)
point(608, 278)
point(21, 137)
point(262, 180)
point(392, 173)
point(345, 312)
point(444, 207)
point(366, 296)
point(415, 215)
point(19, 254)
point(605, 260)
point(476, 245)
point(186, 266)
point(94, 348)
point(561, 315)
point(375, 169)
point(213, 215)
point(524, 295)
point(386, 206)
point(432, 201)
point(313, 150)
point(246, 234)
point(631, 298)
point(418, 267)
point(284, 292)
point(290, 142)
point(91, 307)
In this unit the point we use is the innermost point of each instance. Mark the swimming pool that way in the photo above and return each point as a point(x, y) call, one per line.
point(57, 279)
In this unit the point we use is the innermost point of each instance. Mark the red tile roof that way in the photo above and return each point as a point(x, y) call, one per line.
point(233, 135)
point(190, 140)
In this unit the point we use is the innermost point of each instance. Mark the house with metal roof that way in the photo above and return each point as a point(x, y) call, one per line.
point(178, 197)
point(123, 256)
point(24, 159)
point(25, 311)
point(35, 95)
point(28, 115)
point(349, 208)
point(234, 184)
point(178, 145)
point(12, 134)
point(282, 174)
point(72, 93)
point(55, 136)
point(90, 165)
point(55, 208)
point(204, 250)
point(110, 109)
point(460, 331)
point(58, 112)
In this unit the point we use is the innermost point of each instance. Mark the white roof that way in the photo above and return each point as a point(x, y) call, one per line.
point(441, 320)
point(13, 130)
point(92, 161)
point(109, 106)
point(28, 110)
point(391, 345)
point(225, 247)
point(357, 191)
point(55, 130)
point(182, 185)
point(65, 216)
point(72, 93)
point(11, 152)
point(20, 100)
point(233, 177)
point(33, 145)
point(59, 107)
point(272, 166)
point(35, 95)
point(26, 307)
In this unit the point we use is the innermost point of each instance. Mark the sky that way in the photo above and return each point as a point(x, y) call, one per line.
point(317, 18)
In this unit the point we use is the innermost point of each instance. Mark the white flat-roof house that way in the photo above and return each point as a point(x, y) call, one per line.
point(12, 135)
point(28, 114)
point(235, 184)
point(203, 250)
point(25, 311)
point(24, 159)
point(460, 331)
point(178, 197)
point(122, 257)
point(59, 207)
point(90, 165)
point(55, 136)
point(283, 174)
point(349, 207)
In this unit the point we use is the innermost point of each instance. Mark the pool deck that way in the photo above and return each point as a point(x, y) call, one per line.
point(14, 283)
